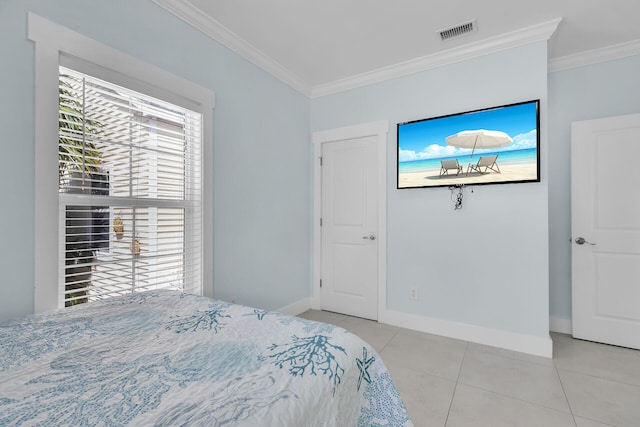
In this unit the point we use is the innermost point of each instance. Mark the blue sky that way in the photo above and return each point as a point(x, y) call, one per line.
point(426, 139)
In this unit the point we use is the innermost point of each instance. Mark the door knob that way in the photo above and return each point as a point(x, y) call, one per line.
point(582, 241)
point(370, 237)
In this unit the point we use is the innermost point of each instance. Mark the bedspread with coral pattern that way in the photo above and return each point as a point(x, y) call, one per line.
point(163, 358)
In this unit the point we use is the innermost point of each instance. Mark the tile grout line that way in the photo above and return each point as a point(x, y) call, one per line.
point(575, 423)
point(455, 388)
point(387, 343)
point(604, 377)
point(521, 399)
point(599, 377)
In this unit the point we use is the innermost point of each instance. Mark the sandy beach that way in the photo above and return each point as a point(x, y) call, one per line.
point(509, 172)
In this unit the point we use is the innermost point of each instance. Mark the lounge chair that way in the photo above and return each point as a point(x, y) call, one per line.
point(486, 162)
point(448, 165)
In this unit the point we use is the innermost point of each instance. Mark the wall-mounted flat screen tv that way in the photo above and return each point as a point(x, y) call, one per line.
point(496, 145)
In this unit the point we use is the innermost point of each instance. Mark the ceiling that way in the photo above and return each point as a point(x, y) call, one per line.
point(312, 43)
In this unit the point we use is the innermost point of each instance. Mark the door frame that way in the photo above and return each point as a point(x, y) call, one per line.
point(379, 129)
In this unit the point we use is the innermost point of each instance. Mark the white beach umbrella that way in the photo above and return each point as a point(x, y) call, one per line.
point(480, 138)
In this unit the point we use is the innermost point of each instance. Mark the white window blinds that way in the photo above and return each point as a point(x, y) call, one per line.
point(129, 190)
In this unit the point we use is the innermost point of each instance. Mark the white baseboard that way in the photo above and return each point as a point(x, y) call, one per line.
point(296, 308)
point(538, 346)
point(558, 324)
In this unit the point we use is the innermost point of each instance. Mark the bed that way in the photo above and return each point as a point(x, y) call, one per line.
point(164, 358)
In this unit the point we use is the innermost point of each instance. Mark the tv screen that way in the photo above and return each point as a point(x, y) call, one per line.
point(495, 145)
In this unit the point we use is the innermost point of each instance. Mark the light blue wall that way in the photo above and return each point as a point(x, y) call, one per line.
point(261, 149)
point(262, 181)
point(602, 90)
point(486, 264)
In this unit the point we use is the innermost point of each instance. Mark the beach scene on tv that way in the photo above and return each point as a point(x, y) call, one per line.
point(480, 147)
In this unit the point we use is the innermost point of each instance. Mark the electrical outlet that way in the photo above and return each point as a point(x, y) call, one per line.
point(413, 294)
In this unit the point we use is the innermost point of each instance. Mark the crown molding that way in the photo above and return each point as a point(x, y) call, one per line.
point(195, 17)
point(595, 56)
point(521, 37)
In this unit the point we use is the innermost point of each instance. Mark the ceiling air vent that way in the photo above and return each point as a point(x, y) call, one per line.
point(458, 30)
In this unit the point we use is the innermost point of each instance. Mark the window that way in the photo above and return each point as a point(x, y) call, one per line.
point(129, 185)
point(124, 201)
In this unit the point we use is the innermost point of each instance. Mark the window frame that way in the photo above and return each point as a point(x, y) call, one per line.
point(56, 45)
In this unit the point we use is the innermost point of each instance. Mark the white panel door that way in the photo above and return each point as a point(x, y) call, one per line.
point(606, 230)
point(349, 271)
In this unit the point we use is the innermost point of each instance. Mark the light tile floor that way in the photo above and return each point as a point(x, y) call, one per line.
point(451, 383)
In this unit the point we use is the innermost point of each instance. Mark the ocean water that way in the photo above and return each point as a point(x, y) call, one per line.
point(528, 155)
